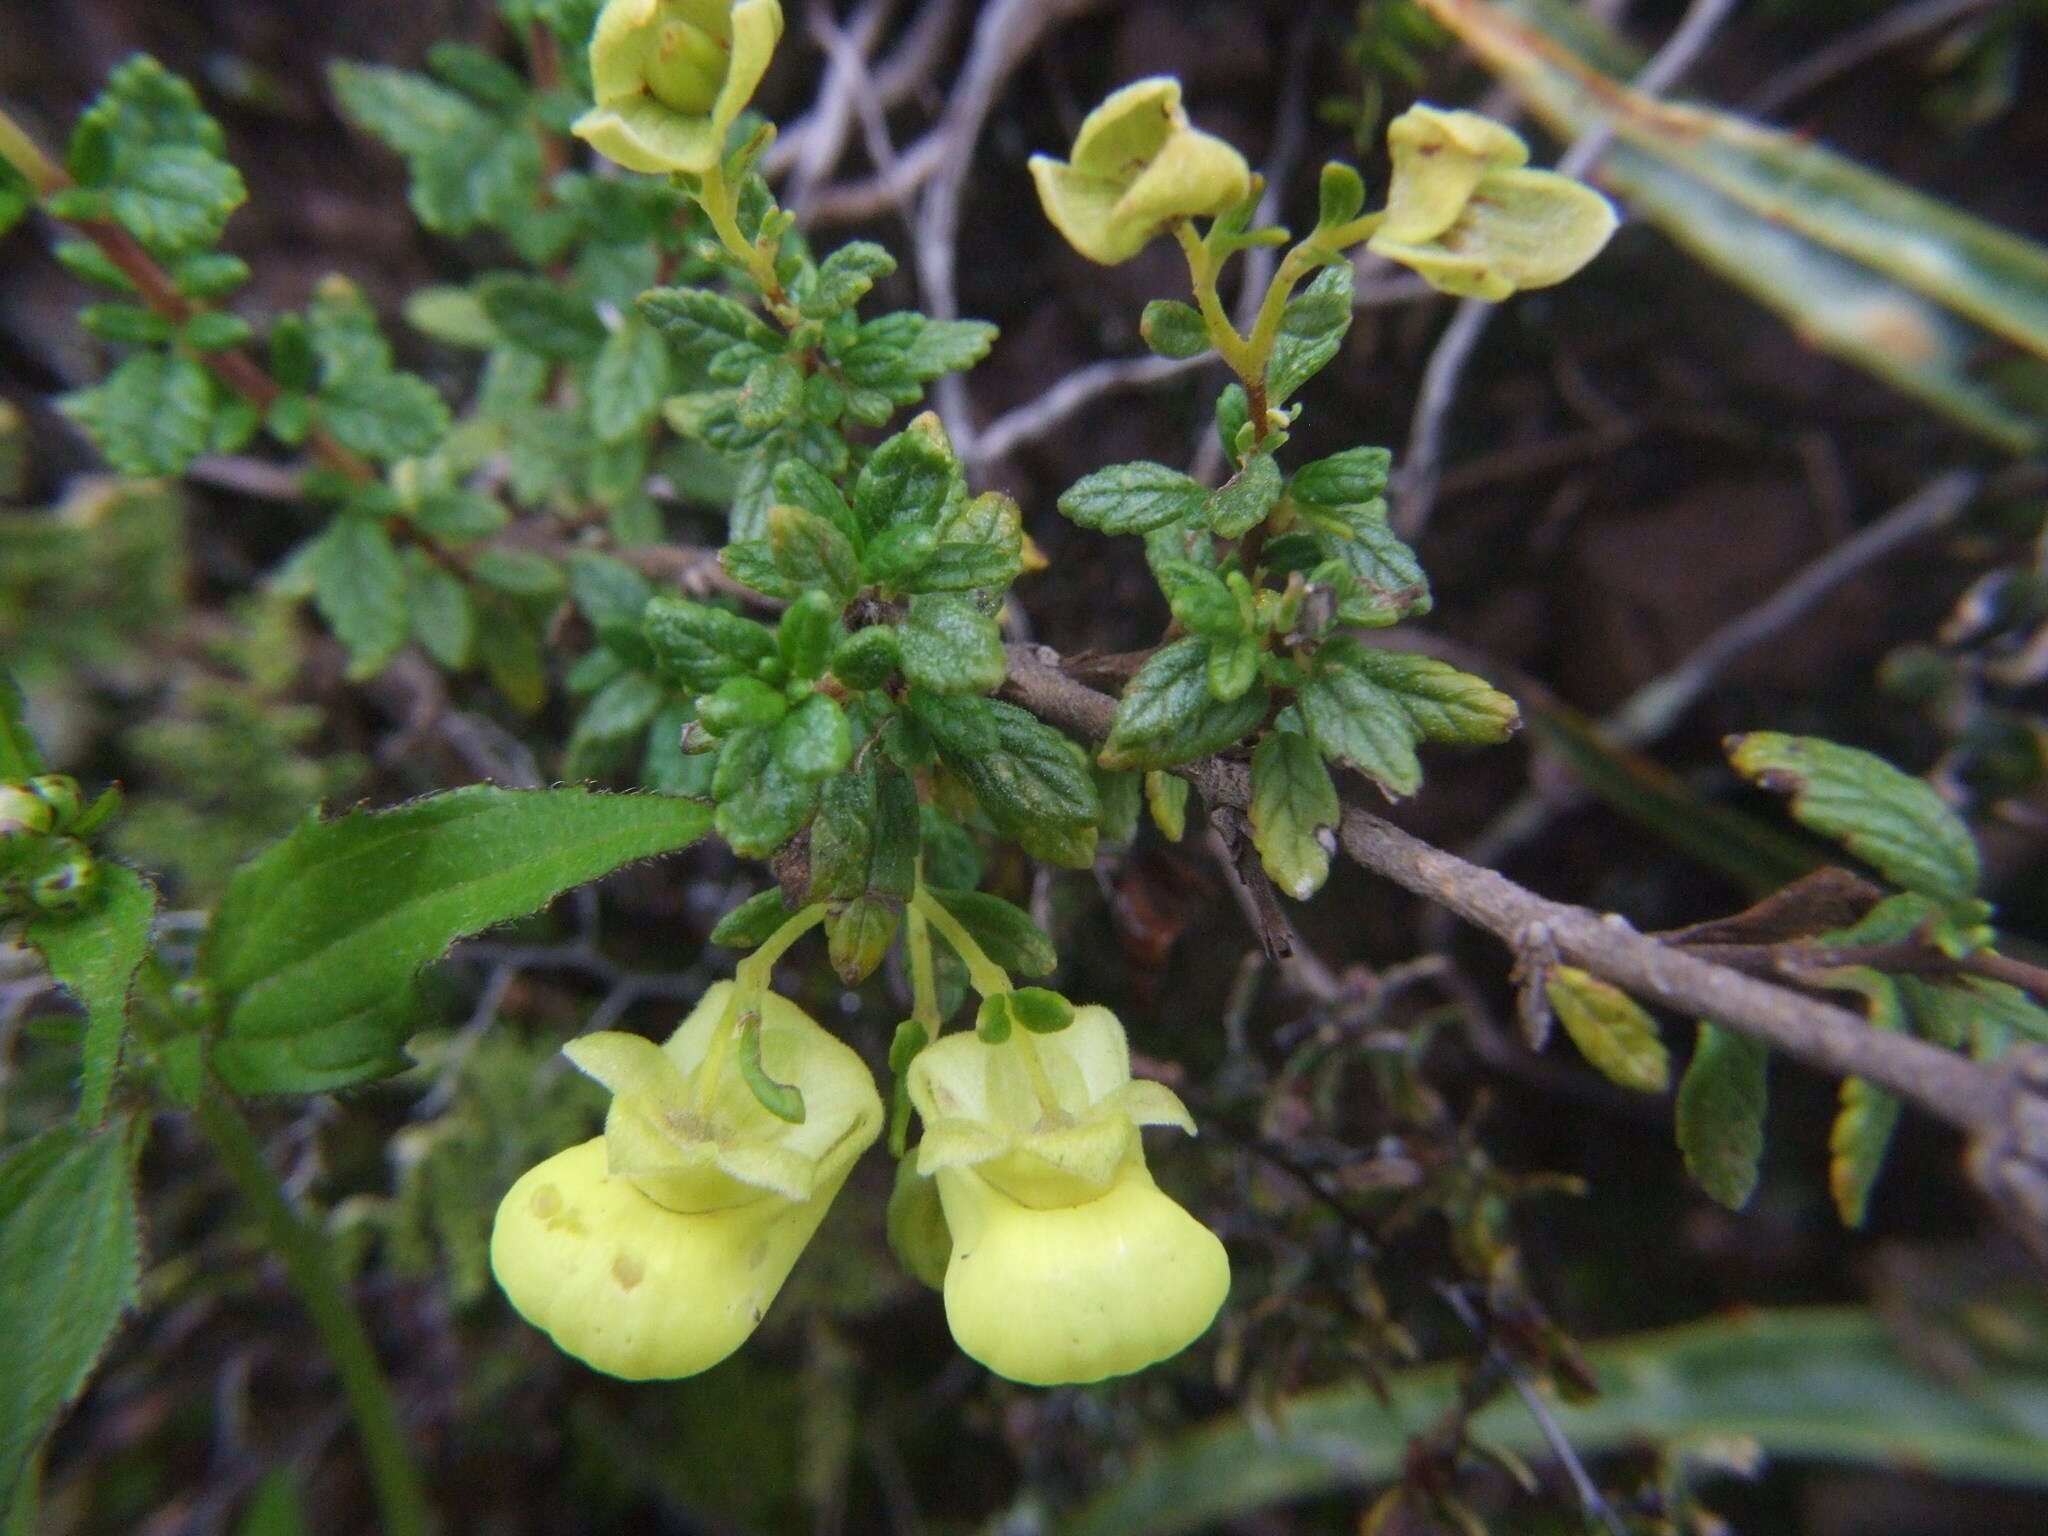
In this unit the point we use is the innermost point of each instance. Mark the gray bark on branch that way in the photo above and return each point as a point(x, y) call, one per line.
point(2004, 1109)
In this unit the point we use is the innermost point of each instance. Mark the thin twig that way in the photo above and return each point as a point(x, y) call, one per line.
point(1085, 385)
point(1897, 26)
point(1003, 38)
point(847, 90)
point(1820, 1034)
point(907, 69)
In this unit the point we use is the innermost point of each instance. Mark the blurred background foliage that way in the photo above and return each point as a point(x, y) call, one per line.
point(1632, 461)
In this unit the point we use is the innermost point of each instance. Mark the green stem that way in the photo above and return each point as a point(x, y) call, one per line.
point(924, 985)
point(983, 974)
point(20, 150)
point(751, 977)
point(720, 202)
point(307, 1260)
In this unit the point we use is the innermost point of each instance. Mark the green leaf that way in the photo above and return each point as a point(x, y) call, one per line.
point(805, 637)
point(1609, 1028)
point(1340, 193)
point(175, 197)
point(845, 277)
point(616, 716)
point(469, 166)
point(811, 552)
point(1350, 478)
point(1312, 328)
point(313, 949)
point(452, 315)
point(698, 321)
point(761, 805)
point(859, 935)
point(701, 646)
point(867, 658)
point(443, 621)
point(1389, 584)
point(1174, 329)
point(69, 1260)
point(541, 317)
point(1134, 498)
point(1005, 932)
point(813, 741)
point(1033, 783)
point(1294, 813)
point(1721, 1103)
point(910, 479)
point(753, 921)
point(1894, 822)
point(1370, 708)
point(628, 381)
point(95, 955)
point(1166, 797)
point(1242, 502)
point(520, 572)
point(1168, 714)
point(383, 415)
point(151, 416)
point(20, 757)
point(610, 594)
point(948, 645)
point(843, 837)
point(359, 587)
point(1857, 1144)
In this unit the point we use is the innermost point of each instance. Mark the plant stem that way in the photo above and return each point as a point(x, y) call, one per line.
point(401, 1497)
point(720, 202)
point(983, 974)
point(924, 987)
point(751, 977)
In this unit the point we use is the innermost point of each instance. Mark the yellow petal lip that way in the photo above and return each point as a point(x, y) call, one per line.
point(632, 1289)
point(1137, 165)
point(1439, 160)
point(1519, 229)
point(1080, 1293)
point(671, 77)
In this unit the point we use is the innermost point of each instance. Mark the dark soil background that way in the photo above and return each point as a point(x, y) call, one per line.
point(1633, 459)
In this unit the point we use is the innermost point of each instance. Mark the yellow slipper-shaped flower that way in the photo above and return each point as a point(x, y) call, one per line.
point(1466, 213)
point(655, 1249)
point(1137, 165)
point(672, 76)
point(1067, 1263)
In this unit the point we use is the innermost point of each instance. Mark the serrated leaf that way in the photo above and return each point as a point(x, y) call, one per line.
point(175, 197)
point(1610, 1029)
point(761, 805)
point(701, 646)
point(313, 949)
point(360, 589)
point(1294, 813)
point(70, 1257)
point(1857, 1144)
point(443, 621)
point(469, 166)
point(1369, 709)
point(843, 837)
point(383, 415)
point(1389, 584)
point(948, 645)
point(812, 553)
point(628, 381)
point(813, 741)
point(909, 480)
point(845, 277)
point(95, 955)
point(1033, 784)
point(541, 317)
point(615, 718)
point(1720, 1113)
point(1134, 498)
point(1896, 823)
point(1168, 714)
point(1312, 329)
point(609, 593)
point(1005, 932)
point(1241, 503)
point(151, 416)
point(1350, 478)
point(699, 322)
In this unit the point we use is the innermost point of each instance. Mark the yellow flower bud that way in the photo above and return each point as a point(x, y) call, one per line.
point(1067, 1263)
point(654, 1250)
point(1137, 166)
point(671, 76)
point(1465, 213)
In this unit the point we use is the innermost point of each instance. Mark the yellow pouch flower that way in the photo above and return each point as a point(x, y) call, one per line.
point(1137, 165)
point(1467, 215)
point(1067, 1263)
point(654, 1250)
point(671, 76)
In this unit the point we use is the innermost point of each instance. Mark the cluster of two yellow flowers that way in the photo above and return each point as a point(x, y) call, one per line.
point(655, 1249)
